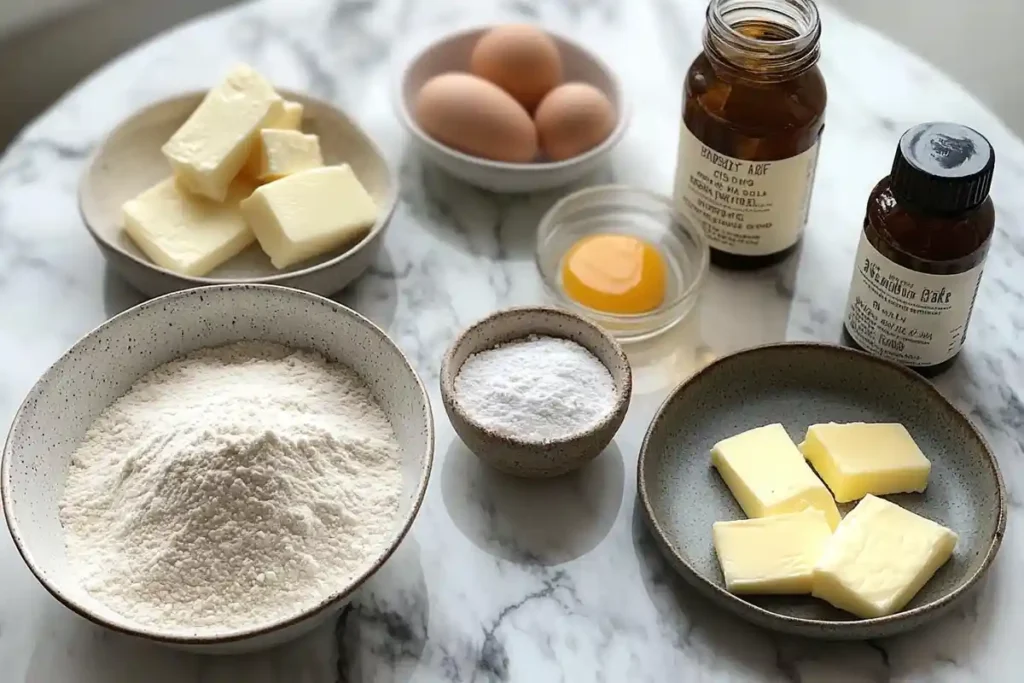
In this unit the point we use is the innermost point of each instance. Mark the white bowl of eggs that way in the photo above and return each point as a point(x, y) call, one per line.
point(511, 108)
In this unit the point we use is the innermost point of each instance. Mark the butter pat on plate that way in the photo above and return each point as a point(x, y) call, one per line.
point(879, 558)
point(771, 555)
point(214, 143)
point(768, 475)
point(859, 458)
point(184, 233)
point(284, 152)
point(309, 213)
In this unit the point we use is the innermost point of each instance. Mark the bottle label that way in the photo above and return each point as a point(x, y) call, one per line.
point(913, 318)
point(750, 208)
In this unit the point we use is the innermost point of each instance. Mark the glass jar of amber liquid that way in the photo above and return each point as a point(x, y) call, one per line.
point(926, 234)
point(753, 113)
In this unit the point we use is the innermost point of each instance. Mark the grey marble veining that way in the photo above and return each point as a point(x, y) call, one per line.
point(503, 580)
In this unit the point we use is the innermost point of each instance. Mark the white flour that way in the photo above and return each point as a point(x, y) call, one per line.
point(536, 389)
point(230, 488)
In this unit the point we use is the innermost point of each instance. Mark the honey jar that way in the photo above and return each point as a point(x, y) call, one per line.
point(753, 114)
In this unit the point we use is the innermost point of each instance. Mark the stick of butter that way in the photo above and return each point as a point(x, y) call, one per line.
point(859, 458)
point(879, 558)
point(768, 475)
point(309, 213)
point(284, 152)
point(771, 555)
point(184, 233)
point(213, 144)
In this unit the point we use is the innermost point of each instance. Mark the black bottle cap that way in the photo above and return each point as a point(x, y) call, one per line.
point(942, 168)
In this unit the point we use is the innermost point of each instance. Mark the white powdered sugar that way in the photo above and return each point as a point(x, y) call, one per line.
point(231, 488)
point(535, 389)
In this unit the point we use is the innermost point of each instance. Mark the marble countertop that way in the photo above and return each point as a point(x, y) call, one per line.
point(503, 580)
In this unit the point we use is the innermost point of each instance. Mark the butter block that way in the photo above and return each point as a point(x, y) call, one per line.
point(859, 458)
point(309, 213)
point(768, 475)
point(185, 233)
point(290, 118)
point(879, 558)
point(284, 152)
point(771, 555)
point(213, 144)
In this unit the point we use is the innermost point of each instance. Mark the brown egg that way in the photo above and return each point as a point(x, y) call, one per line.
point(521, 59)
point(476, 117)
point(572, 119)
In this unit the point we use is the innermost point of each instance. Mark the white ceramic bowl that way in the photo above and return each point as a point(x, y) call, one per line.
point(103, 365)
point(451, 53)
point(129, 161)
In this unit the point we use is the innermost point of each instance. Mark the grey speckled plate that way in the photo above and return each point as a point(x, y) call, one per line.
point(799, 385)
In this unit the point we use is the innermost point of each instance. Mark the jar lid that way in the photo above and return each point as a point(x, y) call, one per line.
point(942, 167)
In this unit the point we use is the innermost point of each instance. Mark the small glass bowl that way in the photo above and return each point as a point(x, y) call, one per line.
point(623, 210)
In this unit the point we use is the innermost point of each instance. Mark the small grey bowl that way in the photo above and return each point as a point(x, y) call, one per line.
point(535, 459)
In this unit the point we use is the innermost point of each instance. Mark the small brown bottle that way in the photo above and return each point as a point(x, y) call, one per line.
point(926, 234)
point(753, 113)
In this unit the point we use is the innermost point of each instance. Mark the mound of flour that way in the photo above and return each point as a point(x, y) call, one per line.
point(231, 487)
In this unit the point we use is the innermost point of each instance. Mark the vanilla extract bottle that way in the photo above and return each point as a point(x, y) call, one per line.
point(753, 114)
point(927, 231)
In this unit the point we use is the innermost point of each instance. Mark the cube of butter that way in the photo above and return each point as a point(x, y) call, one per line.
point(309, 213)
point(185, 233)
point(771, 555)
point(284, 152)
point(290, 118)
point(858, 458)
point(213, 144)
point(768, 475)
point(879, 558)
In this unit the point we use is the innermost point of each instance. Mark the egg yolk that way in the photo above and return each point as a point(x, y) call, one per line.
point(614, 274)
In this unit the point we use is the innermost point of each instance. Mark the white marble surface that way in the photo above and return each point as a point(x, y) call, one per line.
point(502, 580)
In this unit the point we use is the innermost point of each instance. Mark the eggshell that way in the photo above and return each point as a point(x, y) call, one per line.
point(520, 59)
point(477, 117)
point(572, 119)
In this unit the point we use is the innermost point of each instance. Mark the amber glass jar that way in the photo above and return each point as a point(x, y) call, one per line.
point(753, 113)
point(926, 234)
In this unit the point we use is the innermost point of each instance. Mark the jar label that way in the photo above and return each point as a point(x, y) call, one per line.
point(750, 208)
point(913, 318)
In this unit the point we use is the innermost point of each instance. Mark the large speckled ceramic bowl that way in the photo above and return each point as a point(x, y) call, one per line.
point(799, 385)
point(129, 161)
point(103, 365)
point(517, 456)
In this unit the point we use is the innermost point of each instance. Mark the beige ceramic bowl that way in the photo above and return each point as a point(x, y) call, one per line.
point(102, 366)
point(531, 458)
point(451, 53)
point(129, 161)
